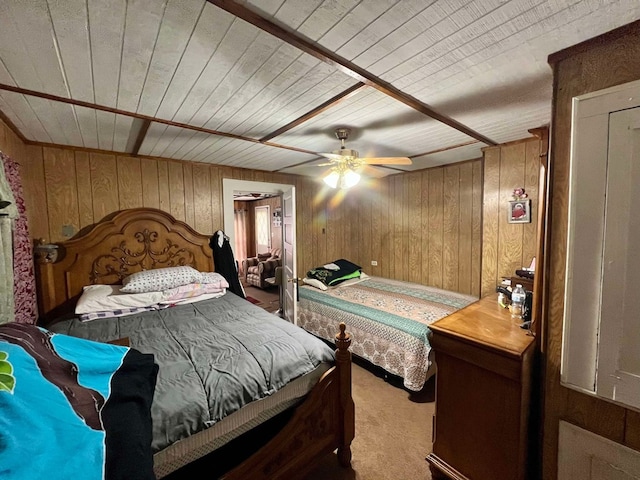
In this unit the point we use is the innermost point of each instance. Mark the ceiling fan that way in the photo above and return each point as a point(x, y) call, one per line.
point(346, 163)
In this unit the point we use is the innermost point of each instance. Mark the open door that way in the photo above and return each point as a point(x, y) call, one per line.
point(289, 273)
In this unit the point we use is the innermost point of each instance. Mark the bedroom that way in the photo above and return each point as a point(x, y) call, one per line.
point(386, 230)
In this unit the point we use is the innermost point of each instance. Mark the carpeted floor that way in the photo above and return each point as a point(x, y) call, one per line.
point(265, 298)
point(393, 431)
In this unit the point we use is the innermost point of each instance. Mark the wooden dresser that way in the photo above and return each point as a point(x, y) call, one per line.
point(483, 388)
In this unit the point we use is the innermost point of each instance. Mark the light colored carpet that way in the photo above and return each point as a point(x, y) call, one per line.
point(393, 432)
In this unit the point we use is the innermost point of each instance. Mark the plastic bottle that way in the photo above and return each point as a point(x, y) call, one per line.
point(518, 296)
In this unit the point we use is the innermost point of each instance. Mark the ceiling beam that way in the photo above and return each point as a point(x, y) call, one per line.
point(117, 111)
point(344, 65)
point(316, 111)
point(141, 134)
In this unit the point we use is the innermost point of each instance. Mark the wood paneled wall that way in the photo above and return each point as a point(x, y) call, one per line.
point(424, 226)
point(606, 61)
point(508, 246)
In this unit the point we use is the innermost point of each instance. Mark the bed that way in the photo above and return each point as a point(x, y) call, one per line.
point(388, 321)
point(310, 390)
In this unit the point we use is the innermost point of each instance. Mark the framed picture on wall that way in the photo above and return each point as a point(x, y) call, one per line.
point(520, 211)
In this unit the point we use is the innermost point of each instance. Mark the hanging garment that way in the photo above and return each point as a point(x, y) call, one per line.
point(225, 263)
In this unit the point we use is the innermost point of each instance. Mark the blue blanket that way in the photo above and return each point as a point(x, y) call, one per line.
point(73, 408)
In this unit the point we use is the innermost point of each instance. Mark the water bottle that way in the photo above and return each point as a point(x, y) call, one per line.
point(518, 297)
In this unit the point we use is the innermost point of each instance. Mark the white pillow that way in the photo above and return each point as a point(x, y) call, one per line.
point(159, 279)
point(99, 298)
point(314, 283)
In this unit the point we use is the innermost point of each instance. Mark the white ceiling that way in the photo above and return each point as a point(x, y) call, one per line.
point(187, 79)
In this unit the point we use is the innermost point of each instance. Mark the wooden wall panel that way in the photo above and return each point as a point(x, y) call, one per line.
point(451, 227)
point(216, 176)
point(476, 230)
point(414, 219)
point(176, 190)
point(490, 220)
point(604, 62)
point(150, 184)
point(129, 181)
point(11, 145)
point(386, 245)
point(512, 162)
point(35, 192)
point(465, 228)
point(531, 184)
point(202, 198)
point(62, 192)
point(104, 184)
point(507, 246)
point(436, 233)
point(189, 208)
point(83, 183)
point(163, 186)
point(424, 223)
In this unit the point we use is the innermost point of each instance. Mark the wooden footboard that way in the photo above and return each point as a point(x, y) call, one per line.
point(323, 423)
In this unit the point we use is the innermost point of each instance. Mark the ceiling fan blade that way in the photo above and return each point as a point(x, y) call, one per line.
point(332, 156)
point(387, 160)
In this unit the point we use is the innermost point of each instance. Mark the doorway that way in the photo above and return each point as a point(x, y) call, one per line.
point(229, 186)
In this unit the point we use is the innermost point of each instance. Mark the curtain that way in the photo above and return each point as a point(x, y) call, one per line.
point(240, 235)
point(24, 283)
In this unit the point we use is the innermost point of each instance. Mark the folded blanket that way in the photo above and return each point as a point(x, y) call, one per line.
point(332, 276)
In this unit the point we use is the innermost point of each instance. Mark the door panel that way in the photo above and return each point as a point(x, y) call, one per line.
point(289, 304)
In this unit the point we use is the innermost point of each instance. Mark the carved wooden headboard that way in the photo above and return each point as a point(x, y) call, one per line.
point(119, 245)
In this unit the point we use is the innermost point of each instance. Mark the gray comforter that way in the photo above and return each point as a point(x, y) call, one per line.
point(215, 356)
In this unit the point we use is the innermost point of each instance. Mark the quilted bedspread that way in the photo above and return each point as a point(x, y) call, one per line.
point(388, 321)
point(215, 356)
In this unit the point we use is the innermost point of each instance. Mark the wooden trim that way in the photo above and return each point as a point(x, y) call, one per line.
point(445, 149)
point(343, 65)
point(316, 111)
point(80, 103)
point(141, 134)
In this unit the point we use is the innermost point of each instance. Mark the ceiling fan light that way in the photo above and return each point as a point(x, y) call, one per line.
point(349, 179)
point(332, 179)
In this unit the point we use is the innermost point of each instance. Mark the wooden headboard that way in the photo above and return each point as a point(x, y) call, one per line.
point(122, 243)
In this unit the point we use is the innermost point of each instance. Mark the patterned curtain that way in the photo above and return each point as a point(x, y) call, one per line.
point(240, 235)
point(24, 283)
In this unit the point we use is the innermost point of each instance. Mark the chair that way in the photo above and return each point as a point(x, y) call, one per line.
point(257, 270)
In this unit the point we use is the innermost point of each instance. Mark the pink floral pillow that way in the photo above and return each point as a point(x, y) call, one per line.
point(191, 290)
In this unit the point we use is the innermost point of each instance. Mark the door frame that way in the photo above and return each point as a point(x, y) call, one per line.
point(230, 185)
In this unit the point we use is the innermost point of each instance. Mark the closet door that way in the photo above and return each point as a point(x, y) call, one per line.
point(618, 374)
point(600, 354)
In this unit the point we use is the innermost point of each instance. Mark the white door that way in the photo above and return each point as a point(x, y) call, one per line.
point(263, 229)
point(586, 456)
point(618, 374)
point(289, 272)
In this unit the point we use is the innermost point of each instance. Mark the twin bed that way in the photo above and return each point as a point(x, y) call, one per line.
point(388, 321)
point(225, 367)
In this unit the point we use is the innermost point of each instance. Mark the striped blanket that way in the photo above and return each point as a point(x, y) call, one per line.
point(388, 321)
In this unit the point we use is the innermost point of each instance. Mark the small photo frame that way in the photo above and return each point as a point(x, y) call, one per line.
point(520, 211)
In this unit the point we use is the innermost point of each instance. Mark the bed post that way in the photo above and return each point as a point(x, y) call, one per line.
point(343, 362)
